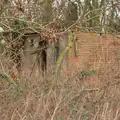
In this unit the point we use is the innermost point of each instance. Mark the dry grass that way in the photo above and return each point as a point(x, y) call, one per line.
point(88, 95)
point(65, 98)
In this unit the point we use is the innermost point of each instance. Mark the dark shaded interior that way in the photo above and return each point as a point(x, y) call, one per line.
point(43, 60)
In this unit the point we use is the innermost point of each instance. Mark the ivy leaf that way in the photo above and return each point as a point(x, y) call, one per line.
point(88, 73)
point(5, 77)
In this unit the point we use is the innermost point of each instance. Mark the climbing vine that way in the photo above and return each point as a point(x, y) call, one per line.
point(71, 39)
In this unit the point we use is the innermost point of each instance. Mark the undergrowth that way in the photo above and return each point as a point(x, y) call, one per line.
point(90, 94)
point(64, 98)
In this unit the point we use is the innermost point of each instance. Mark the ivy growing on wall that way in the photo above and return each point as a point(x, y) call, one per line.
point(19, 24)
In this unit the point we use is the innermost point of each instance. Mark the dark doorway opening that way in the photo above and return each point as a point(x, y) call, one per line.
point(57, 50)
point(43, 61)
point(42, 55)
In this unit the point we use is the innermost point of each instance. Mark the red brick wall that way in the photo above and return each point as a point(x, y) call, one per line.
point(94, 51)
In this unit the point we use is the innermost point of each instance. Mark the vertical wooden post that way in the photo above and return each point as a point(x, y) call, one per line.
point(75, 46)
point(50, 57)
point(63, 44)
